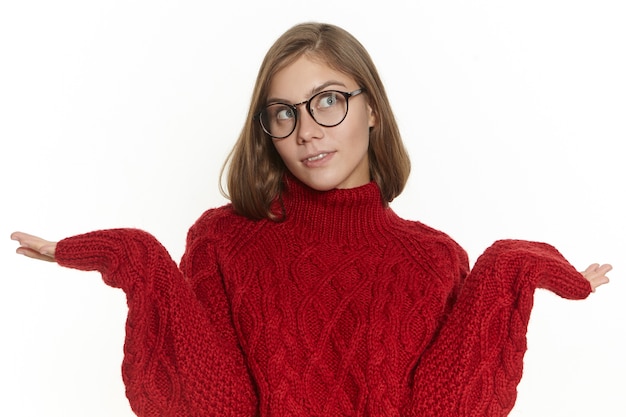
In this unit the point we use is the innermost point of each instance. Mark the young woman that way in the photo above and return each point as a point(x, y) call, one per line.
point(308, 295)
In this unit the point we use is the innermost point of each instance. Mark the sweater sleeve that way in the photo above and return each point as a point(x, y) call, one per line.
point(474, 365)
point(178, 359)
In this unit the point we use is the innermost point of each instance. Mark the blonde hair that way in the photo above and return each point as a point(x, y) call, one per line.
point(255, 169)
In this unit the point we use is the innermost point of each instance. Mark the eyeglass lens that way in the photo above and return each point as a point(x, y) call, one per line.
point(328, 108)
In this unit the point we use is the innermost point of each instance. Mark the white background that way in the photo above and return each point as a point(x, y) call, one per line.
point(120, 114)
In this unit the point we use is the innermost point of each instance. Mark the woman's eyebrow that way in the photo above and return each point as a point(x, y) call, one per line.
point(310, 93)
point(319, 88)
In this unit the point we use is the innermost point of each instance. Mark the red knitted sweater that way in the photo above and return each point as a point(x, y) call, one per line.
point(342, 309)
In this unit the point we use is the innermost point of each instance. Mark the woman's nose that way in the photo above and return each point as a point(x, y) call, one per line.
point(307, 128)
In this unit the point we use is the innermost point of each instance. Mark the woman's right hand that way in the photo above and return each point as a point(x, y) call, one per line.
point(34, 247)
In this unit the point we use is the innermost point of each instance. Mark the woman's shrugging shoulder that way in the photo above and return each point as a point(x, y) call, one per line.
point(435, 250)
point(181, 354)
point(475, 363)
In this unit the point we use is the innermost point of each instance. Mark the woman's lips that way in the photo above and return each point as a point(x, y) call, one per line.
point(317, 159)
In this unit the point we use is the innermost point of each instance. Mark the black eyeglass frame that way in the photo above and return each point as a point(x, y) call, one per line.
point(307, 103)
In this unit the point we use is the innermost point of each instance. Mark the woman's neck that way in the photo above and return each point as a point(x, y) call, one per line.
point(338, 214)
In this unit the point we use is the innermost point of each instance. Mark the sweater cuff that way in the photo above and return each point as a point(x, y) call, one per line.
point(546, 267)
point(121, 255)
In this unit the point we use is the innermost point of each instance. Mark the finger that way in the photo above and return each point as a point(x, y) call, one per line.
point(596, 275)
point(21, 236)
point(598, 281)
point(596, 270)
point(591, 268)
point(34, 242)
point(30, 253)
point(604, 269)
point(17, 236)
point(24, 239)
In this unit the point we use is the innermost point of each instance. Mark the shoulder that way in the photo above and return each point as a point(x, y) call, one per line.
point(217, 229)
point(416, 230)
point(221, 222)
point(431, 244)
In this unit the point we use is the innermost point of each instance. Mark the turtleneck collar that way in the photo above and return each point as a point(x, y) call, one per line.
point(339, 214)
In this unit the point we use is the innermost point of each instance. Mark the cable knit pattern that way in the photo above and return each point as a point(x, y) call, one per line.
point(180, 359)
point(342, 309)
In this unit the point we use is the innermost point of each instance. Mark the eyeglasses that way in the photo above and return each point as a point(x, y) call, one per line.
point(328, 108)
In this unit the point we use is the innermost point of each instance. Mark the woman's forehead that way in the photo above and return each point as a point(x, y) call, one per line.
point(305, 76)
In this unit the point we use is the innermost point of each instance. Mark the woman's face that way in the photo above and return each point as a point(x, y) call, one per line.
point(321, 157)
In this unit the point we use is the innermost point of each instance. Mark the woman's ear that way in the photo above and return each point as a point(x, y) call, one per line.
point(371, 117)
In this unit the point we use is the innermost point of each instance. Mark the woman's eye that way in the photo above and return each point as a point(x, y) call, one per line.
point(327, 100)
point(285, 113)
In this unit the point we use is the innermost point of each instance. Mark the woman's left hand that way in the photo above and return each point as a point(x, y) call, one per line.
point(596, 275)
point(35, 247)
